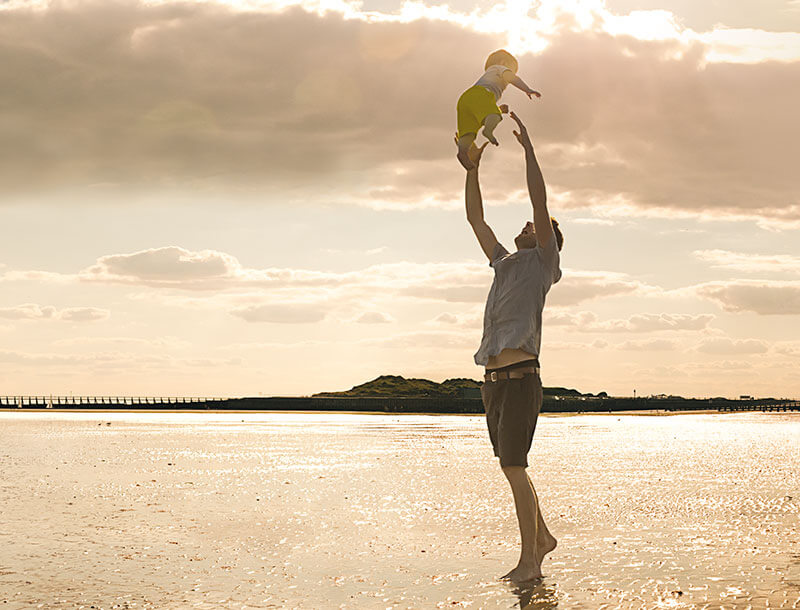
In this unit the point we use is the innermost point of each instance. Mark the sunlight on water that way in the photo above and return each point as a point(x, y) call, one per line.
point(318, 510)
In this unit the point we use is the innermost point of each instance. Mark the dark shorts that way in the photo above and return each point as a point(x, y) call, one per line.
point(512, 407)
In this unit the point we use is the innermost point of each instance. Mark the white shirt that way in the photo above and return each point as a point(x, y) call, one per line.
point(513, 315)
point(493, 80)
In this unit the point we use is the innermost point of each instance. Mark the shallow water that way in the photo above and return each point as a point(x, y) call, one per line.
point(319, 510)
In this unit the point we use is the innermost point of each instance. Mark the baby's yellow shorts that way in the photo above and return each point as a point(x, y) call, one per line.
point(474, 105)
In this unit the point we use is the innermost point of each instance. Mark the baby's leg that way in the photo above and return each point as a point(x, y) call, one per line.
point(464, 142)
point(489, 123)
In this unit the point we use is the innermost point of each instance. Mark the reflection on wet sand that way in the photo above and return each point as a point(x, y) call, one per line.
point(316, 510)
point(537, 595)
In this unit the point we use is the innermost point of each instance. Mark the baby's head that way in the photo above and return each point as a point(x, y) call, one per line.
point(503, 58)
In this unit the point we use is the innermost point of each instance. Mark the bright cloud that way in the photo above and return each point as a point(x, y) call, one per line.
point(587, 321)
point(750, 263)
point(286, 313)
point(32, 311)
point(725, 345)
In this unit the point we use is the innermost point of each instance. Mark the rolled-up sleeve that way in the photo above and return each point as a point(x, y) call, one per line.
point(498, 254)
point(551, 260)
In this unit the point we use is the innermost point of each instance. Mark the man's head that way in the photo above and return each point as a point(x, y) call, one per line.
point(527, 237)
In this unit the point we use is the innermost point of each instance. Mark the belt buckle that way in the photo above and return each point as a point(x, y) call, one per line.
point(493, 376)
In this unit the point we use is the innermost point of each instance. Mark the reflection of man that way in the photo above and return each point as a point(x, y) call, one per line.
point(512, 331)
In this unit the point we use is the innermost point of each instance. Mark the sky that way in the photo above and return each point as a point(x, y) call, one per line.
point(262, 197)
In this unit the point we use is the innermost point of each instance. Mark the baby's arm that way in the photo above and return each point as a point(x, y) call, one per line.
point(513, 79)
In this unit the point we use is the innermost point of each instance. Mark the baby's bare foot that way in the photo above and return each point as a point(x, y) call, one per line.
point(490, 136)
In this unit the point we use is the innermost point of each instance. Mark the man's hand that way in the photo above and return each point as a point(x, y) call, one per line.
point(476, 153)
point(531, 92)
point(522, 134)
point(473, 152)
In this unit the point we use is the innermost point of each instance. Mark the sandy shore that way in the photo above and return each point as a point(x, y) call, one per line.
point(330, 510)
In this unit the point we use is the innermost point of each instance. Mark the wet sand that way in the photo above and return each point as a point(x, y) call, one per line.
point(320, 510)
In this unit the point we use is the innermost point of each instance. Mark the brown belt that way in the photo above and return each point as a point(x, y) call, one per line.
point(512, 374)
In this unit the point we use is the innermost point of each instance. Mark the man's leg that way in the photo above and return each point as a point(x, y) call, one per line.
point(526, 505)
point(537, 540)
point(545, 541)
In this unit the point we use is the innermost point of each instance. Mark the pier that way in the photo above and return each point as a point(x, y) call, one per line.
point(107, 402)
point(778, 405)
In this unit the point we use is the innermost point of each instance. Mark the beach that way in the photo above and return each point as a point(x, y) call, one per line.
point(344, 510)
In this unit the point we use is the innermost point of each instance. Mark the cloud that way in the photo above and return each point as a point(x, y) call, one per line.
point(603, 222)
point(374, 317)
point(789, 348)
point(84, 314)
point(578, 286)
point(650, 345)
point(110, 360)
point(576, 346)
point(70, 360)
point(176, 267)
point(764, 297)
point(165, 264)
point(107, 99)
point(443, 340)
point(750, 263)
point(725, 345)
point(32, 311)
point(472, 319)
point(586, 321)
point(154, 343)
point(286, 313)
point(28, 311)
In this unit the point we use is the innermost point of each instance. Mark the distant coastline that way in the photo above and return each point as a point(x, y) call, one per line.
point(395, 394)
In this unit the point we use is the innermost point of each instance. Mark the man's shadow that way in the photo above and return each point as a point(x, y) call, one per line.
point(536, 595)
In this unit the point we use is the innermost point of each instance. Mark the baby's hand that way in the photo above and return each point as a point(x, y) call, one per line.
point(532, 92)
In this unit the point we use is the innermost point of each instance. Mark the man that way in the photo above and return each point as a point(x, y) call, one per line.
point(512, 389)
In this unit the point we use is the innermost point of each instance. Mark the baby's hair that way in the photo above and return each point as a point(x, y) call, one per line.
point(558, 234)
point(503, 58)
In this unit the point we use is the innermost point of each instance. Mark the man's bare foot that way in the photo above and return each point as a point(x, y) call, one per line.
point(548, 544)
point(463, 157)
point(523, 573)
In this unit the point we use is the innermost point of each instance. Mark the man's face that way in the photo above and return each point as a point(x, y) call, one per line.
point(526, 237)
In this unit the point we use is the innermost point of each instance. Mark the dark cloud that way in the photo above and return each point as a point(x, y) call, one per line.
point(765, 297)
point(118, 97)
point(373, 317)
point(578, 286)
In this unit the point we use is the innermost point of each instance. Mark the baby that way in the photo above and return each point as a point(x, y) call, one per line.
point(478, 105)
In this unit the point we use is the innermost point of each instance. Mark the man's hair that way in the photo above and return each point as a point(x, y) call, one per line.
point(558, 234)
point(502, 58)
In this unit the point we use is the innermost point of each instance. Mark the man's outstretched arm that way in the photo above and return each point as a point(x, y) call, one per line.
point(474, 204)
point(536, 188)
